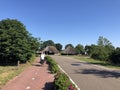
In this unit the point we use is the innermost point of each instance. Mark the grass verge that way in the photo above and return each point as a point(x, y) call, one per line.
point(97, 62)
point(9, 72)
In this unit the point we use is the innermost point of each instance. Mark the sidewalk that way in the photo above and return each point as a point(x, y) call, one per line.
point(35, 77)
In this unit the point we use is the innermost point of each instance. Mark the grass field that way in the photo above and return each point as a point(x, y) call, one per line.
point(97, 62)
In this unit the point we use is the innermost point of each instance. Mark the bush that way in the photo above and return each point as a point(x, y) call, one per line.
point(115, 56)
point(61, 81)
point(100, 53)
point(52, 65)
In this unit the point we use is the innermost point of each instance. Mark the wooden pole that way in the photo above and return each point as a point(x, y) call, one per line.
point(18, 63)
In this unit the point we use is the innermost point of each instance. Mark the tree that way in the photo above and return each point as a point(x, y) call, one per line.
point(34, 43)
point(47, 43)
point(80, 49)
point(16, 43)
point(115, 56)
point(89, 49)
point(58, 46)
point(69, 45)
point(103, 41)
point(102, 51)
point(99, 53)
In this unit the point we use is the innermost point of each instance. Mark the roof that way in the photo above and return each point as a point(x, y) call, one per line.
point(69, 50)
point(51, 49)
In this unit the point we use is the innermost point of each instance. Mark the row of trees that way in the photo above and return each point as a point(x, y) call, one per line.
point(44, 44)
point(16, 43)
point(79, 48)
point(104, 50)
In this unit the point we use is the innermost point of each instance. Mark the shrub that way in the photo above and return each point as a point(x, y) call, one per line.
point(100, 53)
point(52, 65)
point(115, 56)
point(62, 82)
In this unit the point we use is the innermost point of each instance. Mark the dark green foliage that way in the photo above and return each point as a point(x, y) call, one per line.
point(52, 65)
point(89, 49)
point(80, 49)
point(47, 43)
point(44, 44)
point(15, 42)
point(69, 45)
point(58, 46)
point(100, 53)
point(115, 56)
point(61, 82)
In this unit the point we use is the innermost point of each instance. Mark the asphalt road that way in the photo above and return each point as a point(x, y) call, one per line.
point(88, 76)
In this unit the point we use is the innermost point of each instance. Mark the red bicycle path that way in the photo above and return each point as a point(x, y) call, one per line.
point(35, 77)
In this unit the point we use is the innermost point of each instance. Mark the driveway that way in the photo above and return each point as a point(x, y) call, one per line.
point(88, 76)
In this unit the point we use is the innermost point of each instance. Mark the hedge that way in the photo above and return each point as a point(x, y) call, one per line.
point(61, 80)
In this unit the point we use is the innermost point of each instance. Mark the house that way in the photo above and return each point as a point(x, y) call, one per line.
point(50, 50)
point(69, 51)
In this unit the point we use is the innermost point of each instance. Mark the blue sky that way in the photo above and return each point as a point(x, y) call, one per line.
point(67, 21)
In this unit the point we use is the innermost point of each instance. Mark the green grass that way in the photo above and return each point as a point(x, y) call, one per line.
point(97, 62)
point(9, 72)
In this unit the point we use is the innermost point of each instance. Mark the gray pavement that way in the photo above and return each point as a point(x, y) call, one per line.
point(88, 76)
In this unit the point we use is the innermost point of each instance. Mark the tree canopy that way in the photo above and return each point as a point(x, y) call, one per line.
point(58, 46)
point(16, 43)
point(69, 45)
point(102, 51)
point(80, 49)
point(103, 41)
point(47, 43)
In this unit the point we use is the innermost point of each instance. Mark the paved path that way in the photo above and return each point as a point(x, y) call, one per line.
point(88, 76)
point(35, 77)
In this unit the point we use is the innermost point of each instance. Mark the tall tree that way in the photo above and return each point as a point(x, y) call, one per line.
point(15, 41)
point(80, 49)
point(69, 45)
point(89, 49)
point(47, 43)
point(115, 56)
point(58, 46)
point(103, 50)
point(103, 41)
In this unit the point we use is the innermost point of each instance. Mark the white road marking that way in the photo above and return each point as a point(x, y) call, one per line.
point(70, 78)
point(33, 78)
point(28, 87)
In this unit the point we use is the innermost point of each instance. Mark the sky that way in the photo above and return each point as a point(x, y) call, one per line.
point(67, 21)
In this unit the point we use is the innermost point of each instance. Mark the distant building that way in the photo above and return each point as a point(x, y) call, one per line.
point(50, 50)
point(69, 51)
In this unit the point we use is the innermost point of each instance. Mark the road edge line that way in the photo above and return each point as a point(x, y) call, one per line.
point(69, 78)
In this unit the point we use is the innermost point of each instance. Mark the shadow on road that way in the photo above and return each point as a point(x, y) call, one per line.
point(101, 73)
point(48, 86)
point(75, 64)
point(79, 63)
point(36, 64)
